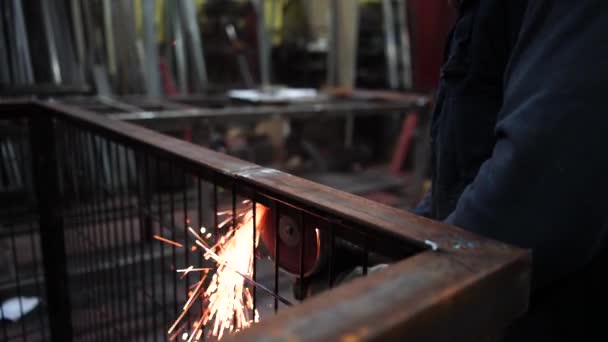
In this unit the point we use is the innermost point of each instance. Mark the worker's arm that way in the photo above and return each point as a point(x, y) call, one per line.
point(546, 185)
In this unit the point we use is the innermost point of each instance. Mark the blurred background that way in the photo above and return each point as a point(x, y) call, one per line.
point(256, 79)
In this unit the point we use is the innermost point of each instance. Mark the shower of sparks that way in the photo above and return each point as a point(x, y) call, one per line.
point(227, 301)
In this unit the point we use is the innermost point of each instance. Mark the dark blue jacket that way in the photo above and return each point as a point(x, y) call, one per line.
point(521, 159)
point(470, 97)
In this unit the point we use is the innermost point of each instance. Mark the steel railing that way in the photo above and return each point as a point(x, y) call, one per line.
point(100, 191)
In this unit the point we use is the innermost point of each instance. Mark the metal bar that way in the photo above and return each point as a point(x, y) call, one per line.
point(215, 211)
point(144, 191)
point(276, 255)
point(180, 50)
point(152, 74)
point(87, 158)
point(100, 225)
point(17, 279)
point(234, 218)
point(25, 62)
point(68, 211)
point(6, 166)
point(272, 30)
point(108, 29)
point(120, 236)
point(188, 16)
point(332, 53)
point(406, 58)
point(134, 164)
point(5, 72)
point(126, 272)
point(331, 256)
point(254, 272)
point(111, 230)
point(226, 113)
point(365, 252)
point(390, 41)
point(151, 251)
point(89, 211)
point(105, 236)
point(23, 160)
point(171, 177)
point(10, 153)
point(3, 172)
point(419, 280)
point(199, 197)
point(4, 332)
point(162, 258)
point(47, 190)
point(241, 58)
point(263, 53)
point(234, 225)
point(186, 226)
point(37, 287)
point(69, 65)
point(47, 12)
point(74, 168)
point(86, 228)
point(113, 239)
point(78, 31)
point(131, 169)
point(302, 226)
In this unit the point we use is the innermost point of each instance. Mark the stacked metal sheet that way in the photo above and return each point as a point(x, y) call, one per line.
point(58, 43)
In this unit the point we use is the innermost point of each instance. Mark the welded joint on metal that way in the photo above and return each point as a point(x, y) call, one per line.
point(434, 245)
point(464, 244)
point(257, 172)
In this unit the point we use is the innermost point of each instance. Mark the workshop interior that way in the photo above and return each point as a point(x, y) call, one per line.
point(203, 170)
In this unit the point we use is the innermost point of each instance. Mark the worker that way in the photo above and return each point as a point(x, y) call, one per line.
point(517, 141)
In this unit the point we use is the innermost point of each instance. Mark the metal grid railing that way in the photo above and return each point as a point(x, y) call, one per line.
point(21, 272)
point(126, 218)
point(118, 199)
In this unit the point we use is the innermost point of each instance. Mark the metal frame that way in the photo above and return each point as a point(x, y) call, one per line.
point(452, 285)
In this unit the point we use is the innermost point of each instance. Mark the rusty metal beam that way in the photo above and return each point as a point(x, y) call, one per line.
point(429, 297)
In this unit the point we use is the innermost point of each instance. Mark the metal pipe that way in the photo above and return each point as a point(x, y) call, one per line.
point(152, 74)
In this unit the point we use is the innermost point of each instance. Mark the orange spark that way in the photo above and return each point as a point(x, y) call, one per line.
point(171, 242)
point(228, 302)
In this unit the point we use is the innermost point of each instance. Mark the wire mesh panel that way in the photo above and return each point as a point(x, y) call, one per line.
point(158, 251)
point(22, 296)
point(147, 238)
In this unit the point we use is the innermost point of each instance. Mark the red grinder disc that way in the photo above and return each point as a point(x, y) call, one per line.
point(291, 239)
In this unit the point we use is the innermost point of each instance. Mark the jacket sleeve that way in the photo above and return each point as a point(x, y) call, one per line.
point(545, 186)
point(424, 208)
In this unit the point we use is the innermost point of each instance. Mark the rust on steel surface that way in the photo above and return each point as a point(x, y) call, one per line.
point(431, 296)
point(469, 286)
